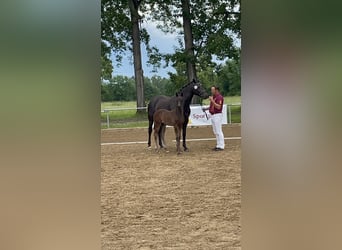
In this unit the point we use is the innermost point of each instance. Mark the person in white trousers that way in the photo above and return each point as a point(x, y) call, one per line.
point(215, 109)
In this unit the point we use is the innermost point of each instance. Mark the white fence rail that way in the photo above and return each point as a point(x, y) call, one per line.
point(108, 111)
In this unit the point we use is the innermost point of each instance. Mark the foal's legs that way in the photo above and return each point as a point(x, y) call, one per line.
point(162, 135)
point(156, 134)
point(178, 135)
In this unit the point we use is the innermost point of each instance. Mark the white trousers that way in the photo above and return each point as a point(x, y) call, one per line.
point(216, 121)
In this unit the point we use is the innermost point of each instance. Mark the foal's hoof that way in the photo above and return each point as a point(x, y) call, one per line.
point(186, 150)
point(149, 147)
point(179, 153)
point(165, 149)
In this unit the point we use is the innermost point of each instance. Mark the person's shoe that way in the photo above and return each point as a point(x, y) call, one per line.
point(219, 149)
point(214, 149)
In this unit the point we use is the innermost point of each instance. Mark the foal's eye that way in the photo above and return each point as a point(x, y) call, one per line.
point(195, 87)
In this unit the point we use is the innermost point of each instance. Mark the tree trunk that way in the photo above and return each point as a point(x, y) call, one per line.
point(138, 71)
point(189, 45)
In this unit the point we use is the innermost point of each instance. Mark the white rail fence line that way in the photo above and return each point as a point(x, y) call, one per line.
point(107, 111)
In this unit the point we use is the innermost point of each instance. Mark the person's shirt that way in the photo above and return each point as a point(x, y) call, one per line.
point(218, 100)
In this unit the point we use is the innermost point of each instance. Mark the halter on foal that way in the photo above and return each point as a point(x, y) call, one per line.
point(174, 118)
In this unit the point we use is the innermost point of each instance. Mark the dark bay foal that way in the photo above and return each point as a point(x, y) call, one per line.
point(175, 118)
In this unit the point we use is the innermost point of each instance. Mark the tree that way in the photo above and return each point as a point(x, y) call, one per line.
point(230, 77)
point(209, 77)
point(162, 85)
point(105, 97)
point(179, 78)
point(150, 89)
point(120, 32)
point(122, 88)
point(188, 41)
point(138, 71)
point(209, 29)
point(189, 45)
point(106, 63)
point(119, 88)
point(115, 32)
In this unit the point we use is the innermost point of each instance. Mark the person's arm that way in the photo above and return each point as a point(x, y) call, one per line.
point(216, 105)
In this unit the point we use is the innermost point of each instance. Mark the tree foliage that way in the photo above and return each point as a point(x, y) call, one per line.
point(229, 77)
point(116, 30)
point(226, 76)
point(123, 88)
point(121, 32)
point(119, 88)
point(215, 27)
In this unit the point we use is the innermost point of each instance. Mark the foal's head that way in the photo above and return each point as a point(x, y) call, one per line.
point(179, 101)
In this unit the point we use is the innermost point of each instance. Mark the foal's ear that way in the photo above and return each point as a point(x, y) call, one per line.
point(176, 94)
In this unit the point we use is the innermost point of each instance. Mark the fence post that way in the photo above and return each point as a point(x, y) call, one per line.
point(229, 114)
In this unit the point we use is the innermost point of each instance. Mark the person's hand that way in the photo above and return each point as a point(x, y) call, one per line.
point(211, 98)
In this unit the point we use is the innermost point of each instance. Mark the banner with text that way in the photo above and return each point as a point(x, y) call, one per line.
point(198, 117)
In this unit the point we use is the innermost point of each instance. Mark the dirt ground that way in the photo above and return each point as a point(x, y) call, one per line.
point(153, 200)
